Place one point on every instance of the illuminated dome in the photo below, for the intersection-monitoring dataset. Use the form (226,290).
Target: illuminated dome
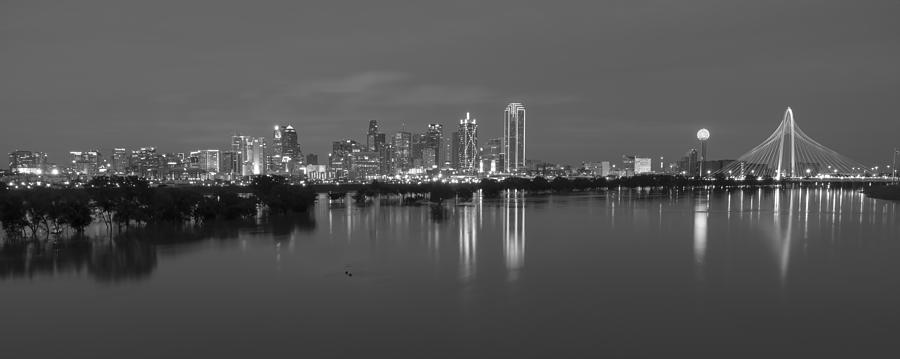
(703,134)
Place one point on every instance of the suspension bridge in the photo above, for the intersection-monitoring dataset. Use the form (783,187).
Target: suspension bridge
(789,153)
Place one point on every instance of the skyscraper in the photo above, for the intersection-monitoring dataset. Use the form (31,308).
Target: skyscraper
(371,136)
(340,157)
(290,143)
(119,161)
(468,144)
(514,137)
(491,156)
(250,153)
(433,137)
(284,149)
(403,150)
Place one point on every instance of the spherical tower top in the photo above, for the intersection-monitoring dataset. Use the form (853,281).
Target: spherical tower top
(703,134)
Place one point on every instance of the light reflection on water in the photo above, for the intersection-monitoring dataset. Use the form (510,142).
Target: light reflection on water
(621,265)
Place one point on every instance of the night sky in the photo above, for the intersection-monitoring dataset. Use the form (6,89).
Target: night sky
(599,78)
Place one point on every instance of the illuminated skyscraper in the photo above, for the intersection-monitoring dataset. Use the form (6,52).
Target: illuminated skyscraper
(120,161)
(250,153)
(371,136)
(468,144)
(433,137)
(514,138)
(403,150)
(491,156)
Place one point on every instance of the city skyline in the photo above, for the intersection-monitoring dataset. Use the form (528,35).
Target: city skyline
(730,68)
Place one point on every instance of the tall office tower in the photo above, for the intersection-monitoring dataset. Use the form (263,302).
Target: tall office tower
(491,156)
(388,159)
(468,144)
(433,137)
(418,144)
(226,163)
(239,148)
(514,138)
(371,136)
(290,143)
(250,153)
(119,161)
(689,163)
(380,141)
(208,160)
(403,150)
(277,134)
(446,152)
(454,149)
(340,158)
(428,158)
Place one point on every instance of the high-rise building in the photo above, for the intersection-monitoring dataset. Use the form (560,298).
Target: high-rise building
(689,164)
(491,156)
(227,163)
(290,144)
(340,159)
(254,156)
(428,158)
(433,138)
(455,149)
(468,145)
(28,162)
(371,136)
(403,150)
(120,161)
(86,162)
(446,152)
(642,165)
(208,161)
(418,144)
(284,149)
(388,159)
(364,165)
(250,154)
(514,137)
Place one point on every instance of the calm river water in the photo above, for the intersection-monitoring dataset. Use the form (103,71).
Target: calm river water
(730,274)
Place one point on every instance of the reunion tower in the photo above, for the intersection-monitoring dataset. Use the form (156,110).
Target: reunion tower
(702,135)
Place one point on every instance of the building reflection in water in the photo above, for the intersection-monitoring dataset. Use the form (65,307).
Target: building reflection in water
(701,220)
(468,242)
(514,233)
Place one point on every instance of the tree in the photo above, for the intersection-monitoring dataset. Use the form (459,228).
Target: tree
(12,214)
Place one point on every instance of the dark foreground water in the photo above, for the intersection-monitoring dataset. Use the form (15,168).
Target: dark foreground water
(800,273)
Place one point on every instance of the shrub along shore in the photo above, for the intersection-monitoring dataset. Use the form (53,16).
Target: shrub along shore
(122,202)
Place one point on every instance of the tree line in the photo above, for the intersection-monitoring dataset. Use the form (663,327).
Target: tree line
(122,202)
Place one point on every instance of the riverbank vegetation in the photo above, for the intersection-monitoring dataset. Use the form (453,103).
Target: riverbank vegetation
(122,202)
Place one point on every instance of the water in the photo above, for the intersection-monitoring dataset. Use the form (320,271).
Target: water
(739,274)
